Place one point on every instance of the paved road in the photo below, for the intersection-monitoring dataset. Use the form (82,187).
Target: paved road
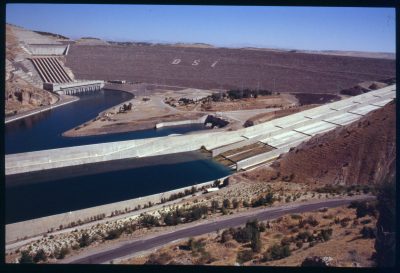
(207,227)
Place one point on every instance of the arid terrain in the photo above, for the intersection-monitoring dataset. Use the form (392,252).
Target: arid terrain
(363,152)
(345,246)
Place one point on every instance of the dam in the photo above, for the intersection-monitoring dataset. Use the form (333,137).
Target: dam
(279,135)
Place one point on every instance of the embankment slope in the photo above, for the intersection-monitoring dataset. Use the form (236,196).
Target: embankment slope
(363,152)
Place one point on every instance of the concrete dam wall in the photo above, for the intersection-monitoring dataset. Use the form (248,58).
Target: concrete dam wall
(218,68)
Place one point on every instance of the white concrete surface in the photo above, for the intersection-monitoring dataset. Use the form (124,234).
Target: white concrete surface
(343,119)
(316,128)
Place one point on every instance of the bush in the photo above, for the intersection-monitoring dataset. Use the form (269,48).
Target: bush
(148,220)
(277,252)
(299,244)
(226,236)
(60,254)
(40,256)
(242,235)
(368,233)
(264,200)
(235,203)
(296,216)
(363,208)
(304,236)
(25,258)
(195,246)
(114,234)
(345,221)
(216,96)
(256,243)
(85,240)
(214,205)
(262,227)
(326,234)
(161,259)
(171,219)
(226,203)
(244,256)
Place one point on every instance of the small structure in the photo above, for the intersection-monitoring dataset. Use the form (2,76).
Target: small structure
(211,190)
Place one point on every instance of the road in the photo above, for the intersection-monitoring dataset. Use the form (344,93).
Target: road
(148,243)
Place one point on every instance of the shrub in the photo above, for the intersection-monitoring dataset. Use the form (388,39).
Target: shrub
(363,208)
(84,240)
(304,236)
(114,234)
(62,253)
(326,234)
(171,219)
(299,244)
(244,256)
(235,203)
(277,252)
(368,232)
(226,203)
(345,221)
(242,235)
(147,220)
(40,256)
(264,200)
(195,246)
(226,236)
(25,258)
(262,227)
(256,243)
(214,205)
(161,259)
(296,216)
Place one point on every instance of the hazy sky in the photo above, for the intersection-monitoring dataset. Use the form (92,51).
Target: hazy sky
(361,29)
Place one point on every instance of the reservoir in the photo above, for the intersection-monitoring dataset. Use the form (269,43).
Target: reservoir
(45,193)
(44,130)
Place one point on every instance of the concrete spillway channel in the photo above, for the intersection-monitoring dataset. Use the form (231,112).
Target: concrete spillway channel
(245,148)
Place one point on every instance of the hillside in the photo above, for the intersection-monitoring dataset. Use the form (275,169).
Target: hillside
(363,152)
(21,95)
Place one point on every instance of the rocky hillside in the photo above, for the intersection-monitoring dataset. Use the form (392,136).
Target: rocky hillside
(363,152)
(19,94)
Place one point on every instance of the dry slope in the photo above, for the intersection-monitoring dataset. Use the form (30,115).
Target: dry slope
(363,152)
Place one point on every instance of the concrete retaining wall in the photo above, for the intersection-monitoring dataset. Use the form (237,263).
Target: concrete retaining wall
(41,225)
(42,109)
(257,159)
(181,122)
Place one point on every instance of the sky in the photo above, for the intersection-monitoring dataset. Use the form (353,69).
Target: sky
(305,28)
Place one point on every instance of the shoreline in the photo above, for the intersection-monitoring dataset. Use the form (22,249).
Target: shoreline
(64,99)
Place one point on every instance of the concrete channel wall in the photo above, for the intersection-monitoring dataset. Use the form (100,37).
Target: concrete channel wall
(41,225)
(55,158)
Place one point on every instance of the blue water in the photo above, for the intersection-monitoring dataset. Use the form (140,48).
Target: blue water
(44,131)
(44,193)
(73,193)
